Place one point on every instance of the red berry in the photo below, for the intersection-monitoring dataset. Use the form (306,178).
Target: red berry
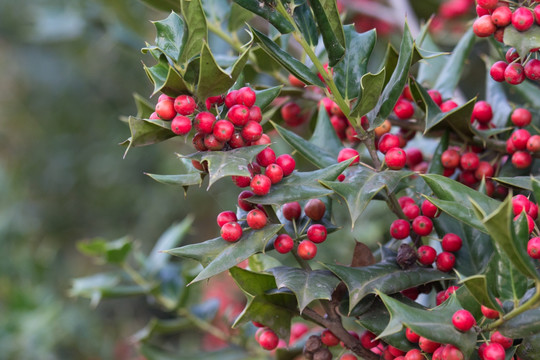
(252,131)
(164,97)
(522,19)
(181,125)
(184,105)
(348,357)
(230,99)
(497,71)
(290,112)
(414,156)
(292,211)
(412,336)
(422,225)
(511,55)
(238,115)
(165,109)
(514,74)
(482,112)
(463,320)
(426,255)
(154,116)
(411,211)
(532,67)
(469,161)
(533,212)
(297,331)
(533,248)
(395,158)
(484,26)
(307,250)
(414,354)
(204,122)
(427,345)
(484,170)
(499,338)
(246,96)
(264,140)
(225,217)
(237,141)
(405,200)
(404,109)
(445,261)
(315,209)
(407,93)
(287,163)
(502,16)
(268,340)
(214,100)
(212,143)
(489,313)
(223,130)
(256,219)
(317,233)
(348,153)
(493,351)
(520,138)
(260,184)
(328,338)
(274,172)
(521,159)
(435,96)
(450,159)
(395,351)
(367,339)
(255,114)
(241,181)
(295,81)
(520,203)
(450,352)
(487,4)
(400,229)
(448,105)
(451,242)
(429,210)
(242,203)
(387,142)
(266,157)
(231,231)
(283,243)
(521,117)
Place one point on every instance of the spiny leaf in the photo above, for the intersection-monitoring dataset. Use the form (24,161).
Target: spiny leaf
(170,35)
(269,13)
(522,41)
(166,79)
(197,31)
(147,132)
(372,86)
(331,29)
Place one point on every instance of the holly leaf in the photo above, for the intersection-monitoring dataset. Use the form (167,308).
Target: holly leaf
(146,132)
(266,96)
(372,85)
(523,325)
(294,66)
(528,92)
(301,185)
(166,79)
(360,188)
(226,163)
(478,287)
(170,35)
(434,324)
(144,107)
(329,23)
(307,286)
(505,281)
(430,69)
(217,255)
(386,277)
(529,348)
(324,136)
(114,252)
(522,41)
(509,239)
(197,31)
(268,12)
(272,310)
(349,72)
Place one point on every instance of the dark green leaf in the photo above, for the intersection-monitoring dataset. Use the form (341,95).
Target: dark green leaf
(166,79)
(478,287)
(266,96)
(511,241)
(227,163)
(213,80)
(461,212)
(349,72)
(303,17)
(523,325)
(430,69)
(194,178)
(274,311)
(392,91)
(294,66)
(536,188)
(434,324)
(225,257)
(331,29)
(529,348)
(360,188)
(109,251)
(170,35)
(372,86)
(318,156)
(451,72)
(385,277)
(302,185)
(391,58)
(262,262)
(197,32)
(306,285)
(505,280)
(268,12)
(144,107)
(522,41)
(147,132)
(522,182)
(324,136)
(238,17)
(528,92)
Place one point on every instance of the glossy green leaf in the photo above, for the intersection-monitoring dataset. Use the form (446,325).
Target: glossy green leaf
(327,16)
(536,188)
(434,324)
(458,211)
(238,17)
(430,69)
(360,187)
(217,257)
(324,136)
(305,21)
(510,240)
(262,262)
(528,92)
(307,286)
(166,79)
(144,107)
(496,97)
(227,163)
(163,5)
(109,251)
(349,72)
(522,41)
(529,348)
(390,62)
(274,311)
(316,155)
(522,182)
(394,88)
(170,35)
(375,320)
(451,72)
(302,185)
(147,132)
(506,281)
(386,277)
(266,96)
(268,12)
(372,85)
(213,80)
(478,287)
(194,178)
(294,66)
(523,325)
(197,31)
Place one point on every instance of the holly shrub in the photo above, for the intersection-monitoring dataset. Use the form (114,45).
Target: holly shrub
(315,132)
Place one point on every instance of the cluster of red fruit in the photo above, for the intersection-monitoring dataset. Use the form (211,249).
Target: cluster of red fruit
(269,340)
(315,233)
(493,17)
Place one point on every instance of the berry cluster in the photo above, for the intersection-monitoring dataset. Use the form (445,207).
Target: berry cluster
(493,18)
(269,340)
